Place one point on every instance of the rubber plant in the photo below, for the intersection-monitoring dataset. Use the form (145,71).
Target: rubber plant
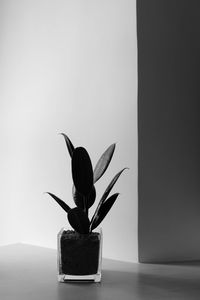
(84,191)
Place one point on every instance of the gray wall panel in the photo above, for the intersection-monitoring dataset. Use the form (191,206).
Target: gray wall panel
(169,130)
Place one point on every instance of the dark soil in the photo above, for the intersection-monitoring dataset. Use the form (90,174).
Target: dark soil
(79,253)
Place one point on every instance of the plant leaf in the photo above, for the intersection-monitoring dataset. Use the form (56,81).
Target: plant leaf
(78,220)
(103,162)
(82,171)
(106,193)
(103,210)
(79,198)
(69,144)
(60,202)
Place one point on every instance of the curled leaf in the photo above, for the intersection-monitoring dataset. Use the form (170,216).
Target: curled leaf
(78,220)
(82,171)
(60,202)
(103,162)
(103,210)
(79,198)
(69,144)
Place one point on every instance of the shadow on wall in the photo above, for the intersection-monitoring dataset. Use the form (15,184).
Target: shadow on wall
(169,143)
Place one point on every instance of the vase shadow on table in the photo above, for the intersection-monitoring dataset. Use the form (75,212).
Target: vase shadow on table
(112,283)
(144,281)
(118,277)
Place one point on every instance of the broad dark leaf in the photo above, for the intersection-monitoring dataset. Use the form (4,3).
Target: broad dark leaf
(79,198)
(106,193)
(103,210)
(103,162)
(69,144)
(82,171)
(78,220)
(60,202)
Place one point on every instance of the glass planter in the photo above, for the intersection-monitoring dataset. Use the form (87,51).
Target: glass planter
(79,256)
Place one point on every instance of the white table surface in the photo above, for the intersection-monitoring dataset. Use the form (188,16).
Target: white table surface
(29,272)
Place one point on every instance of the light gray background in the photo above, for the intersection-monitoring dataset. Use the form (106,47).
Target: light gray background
(66,66)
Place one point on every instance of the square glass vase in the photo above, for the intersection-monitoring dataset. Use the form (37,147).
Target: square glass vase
(79,256)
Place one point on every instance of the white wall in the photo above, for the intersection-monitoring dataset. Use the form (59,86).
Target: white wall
(66,66)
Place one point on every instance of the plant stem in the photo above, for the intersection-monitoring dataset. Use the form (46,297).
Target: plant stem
(85,205)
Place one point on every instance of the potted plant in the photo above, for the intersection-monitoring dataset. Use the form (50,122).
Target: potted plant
(80,248)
